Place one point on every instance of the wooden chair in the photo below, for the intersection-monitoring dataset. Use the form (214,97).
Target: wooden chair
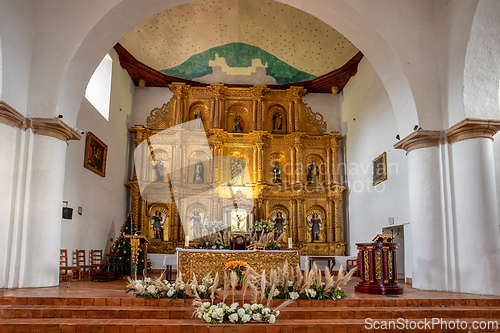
(352,263)
(80,261)
(65,271)
(95,260)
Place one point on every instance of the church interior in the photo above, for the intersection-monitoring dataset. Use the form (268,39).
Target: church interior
(326,122)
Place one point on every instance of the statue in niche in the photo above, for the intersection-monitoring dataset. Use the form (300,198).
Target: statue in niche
(237,172)
(199,124)
(277,174)
(198,175)
(196,220)
(157,222)
(315,226)
(279,223)
(277,121)
(158,167)
(238,124)
(313,173)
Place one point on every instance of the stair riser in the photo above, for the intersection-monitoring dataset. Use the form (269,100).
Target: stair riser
(332,313)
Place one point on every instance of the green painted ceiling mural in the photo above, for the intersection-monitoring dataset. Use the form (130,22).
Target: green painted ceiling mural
(238,55)
(281,43)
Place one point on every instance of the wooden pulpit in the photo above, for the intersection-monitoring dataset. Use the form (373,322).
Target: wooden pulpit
(378,267)
(137,241)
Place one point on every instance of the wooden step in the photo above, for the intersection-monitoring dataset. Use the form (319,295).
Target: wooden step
(194,325)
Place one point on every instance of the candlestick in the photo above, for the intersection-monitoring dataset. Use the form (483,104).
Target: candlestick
(186,243)
(290,246)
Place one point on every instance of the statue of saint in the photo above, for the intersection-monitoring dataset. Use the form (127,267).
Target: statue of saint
(277,174)
(237,172)
(313,173)
(158,167)
(279,223)
(196,220)
(315,226)
(238,124)
(157,221)
(198,175)
(277,121)
(197,114)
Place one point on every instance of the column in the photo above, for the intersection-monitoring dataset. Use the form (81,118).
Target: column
(475,206)
(334,148)
(328,175)
(292,165)
(12,137)
(293,222)
(291,117)
(299,169)
(34,193)
(260,155)
(329,222)
(177,89)
(255,164)
(426,210)
(300,221)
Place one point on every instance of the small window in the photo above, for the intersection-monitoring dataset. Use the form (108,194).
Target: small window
(98,91)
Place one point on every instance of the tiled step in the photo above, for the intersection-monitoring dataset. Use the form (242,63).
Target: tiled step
(194,325)
(134,301)
(114,312)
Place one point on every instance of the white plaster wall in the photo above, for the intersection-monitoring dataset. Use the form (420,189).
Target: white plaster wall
(482,63)
(496,156)
(408,26)
(370,129)
(328,106)
(16,35)
(104,200)
(476,217)
(147,99)
(453,24)
(8,144)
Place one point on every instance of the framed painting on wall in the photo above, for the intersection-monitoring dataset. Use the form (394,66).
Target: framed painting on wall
(95,155)
(380,169)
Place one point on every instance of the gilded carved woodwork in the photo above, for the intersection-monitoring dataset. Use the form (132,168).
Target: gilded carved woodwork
(203,262)
(293,142)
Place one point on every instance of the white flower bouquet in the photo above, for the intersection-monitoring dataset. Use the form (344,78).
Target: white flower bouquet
(222,313)
(159,288)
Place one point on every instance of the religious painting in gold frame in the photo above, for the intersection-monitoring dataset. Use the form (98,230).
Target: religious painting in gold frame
(380,169)
(96,153)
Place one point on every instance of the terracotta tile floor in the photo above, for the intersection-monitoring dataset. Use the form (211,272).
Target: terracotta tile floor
(116,289)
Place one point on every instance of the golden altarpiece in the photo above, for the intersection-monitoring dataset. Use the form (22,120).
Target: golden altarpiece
(291,167)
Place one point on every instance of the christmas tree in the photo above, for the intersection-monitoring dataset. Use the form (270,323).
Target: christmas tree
(122,245)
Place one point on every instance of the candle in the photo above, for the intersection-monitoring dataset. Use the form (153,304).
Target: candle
(186,244)
(290,243)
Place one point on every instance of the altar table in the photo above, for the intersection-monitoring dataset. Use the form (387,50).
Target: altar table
(202,262)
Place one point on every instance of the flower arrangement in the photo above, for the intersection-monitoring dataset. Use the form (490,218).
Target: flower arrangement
(308,285)
(217,240)
(214,226)
(222,313)
(261,226)
(204,289)
(237,266)
(159,288)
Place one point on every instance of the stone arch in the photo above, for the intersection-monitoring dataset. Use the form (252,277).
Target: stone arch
(120,19)
(482,64)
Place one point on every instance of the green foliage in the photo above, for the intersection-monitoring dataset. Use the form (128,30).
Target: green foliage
(122,245)
(238,55)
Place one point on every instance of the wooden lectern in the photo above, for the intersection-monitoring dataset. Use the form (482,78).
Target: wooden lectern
(135,243)
(378,267)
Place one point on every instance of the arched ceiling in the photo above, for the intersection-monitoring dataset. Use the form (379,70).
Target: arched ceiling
(187,40)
